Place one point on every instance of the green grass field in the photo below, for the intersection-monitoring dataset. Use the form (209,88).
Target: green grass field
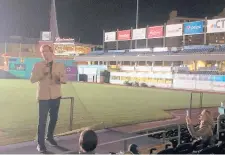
(94,103)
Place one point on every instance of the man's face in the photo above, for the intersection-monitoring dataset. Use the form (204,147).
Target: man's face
(47,54)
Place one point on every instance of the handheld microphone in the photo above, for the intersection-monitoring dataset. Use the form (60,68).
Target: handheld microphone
(49,64)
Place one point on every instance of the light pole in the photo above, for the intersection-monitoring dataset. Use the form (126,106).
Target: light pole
(137,19)
(137,14)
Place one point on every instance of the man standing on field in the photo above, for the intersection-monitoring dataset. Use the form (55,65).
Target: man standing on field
(49,75)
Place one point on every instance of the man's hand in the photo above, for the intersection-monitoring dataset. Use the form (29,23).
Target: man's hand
(56,78)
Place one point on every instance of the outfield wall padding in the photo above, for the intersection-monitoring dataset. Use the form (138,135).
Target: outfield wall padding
(22,67)
(174,81)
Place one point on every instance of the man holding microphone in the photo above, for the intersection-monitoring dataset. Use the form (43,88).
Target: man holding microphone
(49,75)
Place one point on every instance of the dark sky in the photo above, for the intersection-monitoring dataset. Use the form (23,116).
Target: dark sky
(87,18)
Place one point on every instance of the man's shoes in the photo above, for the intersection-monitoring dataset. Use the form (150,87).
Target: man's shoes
(51,142)
(41,148)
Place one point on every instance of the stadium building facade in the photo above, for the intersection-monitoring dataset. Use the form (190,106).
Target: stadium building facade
(182,41)
(151,54)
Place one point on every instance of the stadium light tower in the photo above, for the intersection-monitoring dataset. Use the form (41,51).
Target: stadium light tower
(137,14)
(53,21)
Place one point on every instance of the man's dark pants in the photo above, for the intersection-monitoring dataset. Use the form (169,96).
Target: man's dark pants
(46,107)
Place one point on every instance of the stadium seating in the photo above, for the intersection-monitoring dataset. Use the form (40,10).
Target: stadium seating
(187,145)
(134,54)
(202,49)
(220,49)
(167,151)
(94,53)
(113,53)
(197,147)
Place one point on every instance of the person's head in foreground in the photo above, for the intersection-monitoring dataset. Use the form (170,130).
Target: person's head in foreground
(206,119)
(205,131)
(47,53)
(133,148)
(88,141)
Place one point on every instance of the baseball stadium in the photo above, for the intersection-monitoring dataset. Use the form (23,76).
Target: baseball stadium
(135,88)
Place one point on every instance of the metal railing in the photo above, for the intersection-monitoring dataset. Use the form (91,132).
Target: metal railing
(149,132)
(163,131)
(125,140)
(70,127)
(163,127)
(191,101)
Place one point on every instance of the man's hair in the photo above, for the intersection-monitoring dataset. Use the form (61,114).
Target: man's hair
(48,46)
(88,140)
(133,148)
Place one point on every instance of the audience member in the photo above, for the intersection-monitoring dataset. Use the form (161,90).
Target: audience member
(88,142)
(133,148)
(205,131)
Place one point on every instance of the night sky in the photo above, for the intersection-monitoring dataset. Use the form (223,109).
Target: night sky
(85,19)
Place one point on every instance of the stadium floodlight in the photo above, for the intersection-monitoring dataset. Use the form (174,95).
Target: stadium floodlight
(137,14)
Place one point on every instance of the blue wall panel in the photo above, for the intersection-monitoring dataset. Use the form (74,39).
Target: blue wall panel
(22,68)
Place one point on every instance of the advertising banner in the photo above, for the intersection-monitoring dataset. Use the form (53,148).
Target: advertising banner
(178,81)
(155,32)
(23,68)
(64,40)
(139,34)
(158,80)
(127,68)
(64,49)
(116,51)
(46,36)
(143,68)
(161,69)
(110,36)
(193,28)
(141,50)
(160,49)
(82,49)
(124,35)
(71,69)
(216,25)
(174,30)
(71,72)
(218,86)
